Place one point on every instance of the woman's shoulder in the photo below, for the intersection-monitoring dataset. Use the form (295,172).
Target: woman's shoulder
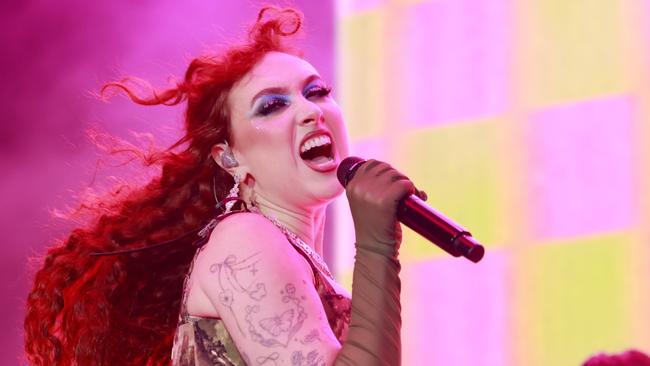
(245,221)
(244,237)
(245,231)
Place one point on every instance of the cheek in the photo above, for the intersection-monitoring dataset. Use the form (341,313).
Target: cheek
(338,128)
(345,143)
(267,146)
(270,138)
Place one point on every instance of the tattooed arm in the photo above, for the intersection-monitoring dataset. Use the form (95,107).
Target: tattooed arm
(264,292)
(260,285)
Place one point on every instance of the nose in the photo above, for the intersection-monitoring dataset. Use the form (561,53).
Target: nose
(310,112)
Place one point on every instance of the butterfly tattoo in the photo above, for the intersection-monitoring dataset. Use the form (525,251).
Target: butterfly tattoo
(278,324)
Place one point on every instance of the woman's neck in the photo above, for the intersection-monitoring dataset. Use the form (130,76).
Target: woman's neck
(308,224)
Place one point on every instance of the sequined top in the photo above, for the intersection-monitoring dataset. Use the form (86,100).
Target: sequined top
(202,341)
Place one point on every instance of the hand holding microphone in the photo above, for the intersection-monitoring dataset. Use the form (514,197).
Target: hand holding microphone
(379,198)
(374,194)
(381,195)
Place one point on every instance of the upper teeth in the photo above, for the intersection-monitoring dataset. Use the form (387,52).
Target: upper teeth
(315,141)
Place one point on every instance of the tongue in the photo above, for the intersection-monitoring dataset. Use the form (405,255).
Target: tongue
(320,159)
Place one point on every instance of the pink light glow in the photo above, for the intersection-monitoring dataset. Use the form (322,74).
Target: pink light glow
(582,180)
(455,312)
(455,60)
(54,55)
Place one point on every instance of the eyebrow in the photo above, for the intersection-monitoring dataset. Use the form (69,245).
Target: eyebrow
(281,90)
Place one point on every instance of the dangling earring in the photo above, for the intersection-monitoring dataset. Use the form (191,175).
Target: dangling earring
(228,161)
(234,193)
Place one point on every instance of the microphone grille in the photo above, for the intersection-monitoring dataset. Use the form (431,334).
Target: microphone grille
(347,168)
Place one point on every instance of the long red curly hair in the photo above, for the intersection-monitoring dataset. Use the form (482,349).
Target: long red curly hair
(123,309)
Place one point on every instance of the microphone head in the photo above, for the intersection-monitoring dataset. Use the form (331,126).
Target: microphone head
(347,168)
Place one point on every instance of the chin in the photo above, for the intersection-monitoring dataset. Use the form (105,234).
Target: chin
(328,191)
(334,191)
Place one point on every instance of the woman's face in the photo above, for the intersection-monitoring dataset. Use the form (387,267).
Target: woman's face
(288,132)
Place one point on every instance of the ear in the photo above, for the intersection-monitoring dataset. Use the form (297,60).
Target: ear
(217,152)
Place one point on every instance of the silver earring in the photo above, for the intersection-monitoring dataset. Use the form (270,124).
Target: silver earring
(234,193)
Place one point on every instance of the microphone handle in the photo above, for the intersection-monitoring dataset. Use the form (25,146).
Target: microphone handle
(433,225)
(424,220)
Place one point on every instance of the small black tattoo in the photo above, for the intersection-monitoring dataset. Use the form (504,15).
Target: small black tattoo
(259,293)
(312,359)
(283,326)
(227,274)
(312,336)
(270,359)
(278,324)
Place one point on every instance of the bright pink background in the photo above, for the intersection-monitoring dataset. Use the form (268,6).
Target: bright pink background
(540,106)
(54,53)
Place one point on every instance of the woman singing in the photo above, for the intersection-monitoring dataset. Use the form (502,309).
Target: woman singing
(161,271)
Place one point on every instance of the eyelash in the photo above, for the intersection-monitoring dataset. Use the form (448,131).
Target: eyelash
(271,106)
(319,91)
(276,103)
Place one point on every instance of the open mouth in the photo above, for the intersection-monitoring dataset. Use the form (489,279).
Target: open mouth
(317,149)
(318,153)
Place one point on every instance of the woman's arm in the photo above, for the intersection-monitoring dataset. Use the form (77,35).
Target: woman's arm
(264,292)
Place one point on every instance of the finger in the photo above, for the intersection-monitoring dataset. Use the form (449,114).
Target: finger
(397,177)
(384,170)
(421,194)
(400,188)
(370,164)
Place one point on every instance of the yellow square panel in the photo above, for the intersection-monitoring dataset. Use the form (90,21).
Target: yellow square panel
(570,50)
(457,165)
(572,300)
(361,72)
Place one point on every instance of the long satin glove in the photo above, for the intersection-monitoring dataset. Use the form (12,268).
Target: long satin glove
(375,325)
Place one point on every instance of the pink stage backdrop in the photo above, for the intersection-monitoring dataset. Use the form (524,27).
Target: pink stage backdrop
(527,122)
(54,55)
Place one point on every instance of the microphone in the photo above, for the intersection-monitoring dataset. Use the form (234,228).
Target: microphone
(424,220)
